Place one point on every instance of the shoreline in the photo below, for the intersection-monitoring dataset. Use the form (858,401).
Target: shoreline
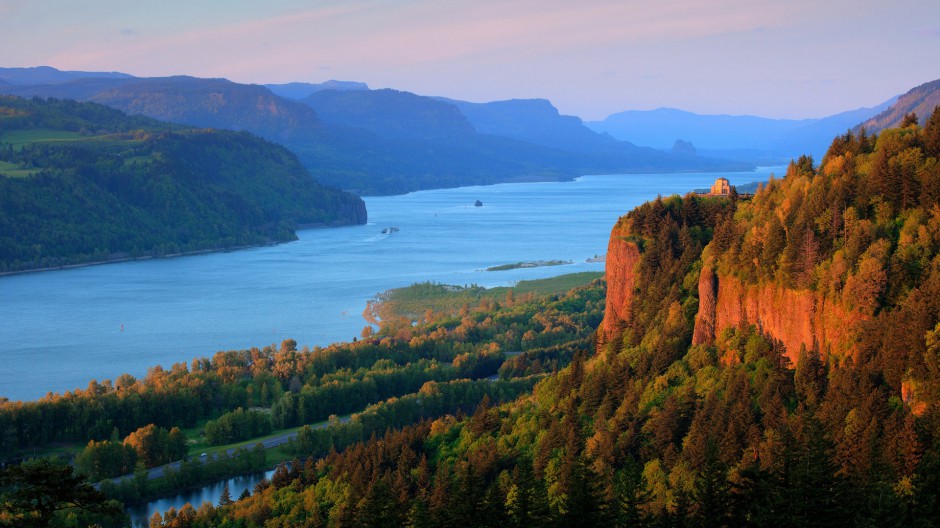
(116,260)
(134,259)
(321,225)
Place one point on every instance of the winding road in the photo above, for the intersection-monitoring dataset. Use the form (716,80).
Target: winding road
(267,443)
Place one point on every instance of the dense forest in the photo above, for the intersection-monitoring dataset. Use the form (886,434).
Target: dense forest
(80,182)
(443,362)
(653,430)
(667,416)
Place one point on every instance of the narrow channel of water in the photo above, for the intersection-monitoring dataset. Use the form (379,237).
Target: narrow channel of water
(140,514)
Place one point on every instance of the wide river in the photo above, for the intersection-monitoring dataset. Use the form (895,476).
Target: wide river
(61,329)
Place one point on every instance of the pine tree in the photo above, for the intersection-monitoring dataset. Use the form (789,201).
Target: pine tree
(526,503)
(418,516)
(809,377)
(281,476)
(225,498)
(813,494)
(932,134)
(377,507)
(633,495)
(712,492)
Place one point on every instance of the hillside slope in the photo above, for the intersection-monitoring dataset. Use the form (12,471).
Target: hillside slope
(215,103)
(300,90)
(920,101)
(536,121)
(530,131)
(686,418)
(392,114)
(80,182)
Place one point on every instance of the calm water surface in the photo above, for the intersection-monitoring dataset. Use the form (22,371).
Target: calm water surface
(60,329)
(140,514)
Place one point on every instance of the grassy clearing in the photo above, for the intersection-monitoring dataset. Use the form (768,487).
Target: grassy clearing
(412,301)
(12,170)
(553,285)
(18,138)
(142,160)
(58,450)
(199,447)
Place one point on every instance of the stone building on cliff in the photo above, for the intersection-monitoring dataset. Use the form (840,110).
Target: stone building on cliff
(721,187)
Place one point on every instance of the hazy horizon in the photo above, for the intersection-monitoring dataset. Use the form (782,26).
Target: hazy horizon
(772,58)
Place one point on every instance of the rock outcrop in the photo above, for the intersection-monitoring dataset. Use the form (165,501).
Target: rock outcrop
(622,257)
(796,318)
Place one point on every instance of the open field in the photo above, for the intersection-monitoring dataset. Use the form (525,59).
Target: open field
(18,138)
(12,170)
(412,301)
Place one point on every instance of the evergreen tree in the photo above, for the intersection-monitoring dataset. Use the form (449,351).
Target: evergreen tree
(34,493)
(633,496)
(225,498)
(712,492)
(931,140)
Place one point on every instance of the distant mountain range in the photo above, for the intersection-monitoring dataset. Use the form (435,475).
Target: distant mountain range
(393,114)
(372,141)
(299,90)
(753,138)
(50,75)
(535,121)
(389,142)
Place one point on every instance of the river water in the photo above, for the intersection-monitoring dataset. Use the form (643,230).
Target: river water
(61,329)
(140,514)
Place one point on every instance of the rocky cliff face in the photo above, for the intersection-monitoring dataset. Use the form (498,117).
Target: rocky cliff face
(796,318)
(622,257)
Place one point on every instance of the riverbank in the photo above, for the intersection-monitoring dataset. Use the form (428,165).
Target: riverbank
(117,258)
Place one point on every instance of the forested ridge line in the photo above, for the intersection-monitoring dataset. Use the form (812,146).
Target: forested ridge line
(83,183)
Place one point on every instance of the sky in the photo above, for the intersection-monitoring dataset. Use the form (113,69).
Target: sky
(591,58)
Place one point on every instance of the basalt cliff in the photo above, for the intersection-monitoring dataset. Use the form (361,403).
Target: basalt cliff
(797,318)
(838,262)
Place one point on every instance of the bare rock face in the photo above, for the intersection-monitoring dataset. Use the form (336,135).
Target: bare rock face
(796,318)
(622,257)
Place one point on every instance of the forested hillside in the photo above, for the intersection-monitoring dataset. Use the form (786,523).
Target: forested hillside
(764,361)
(478,345)
(80,182)
(670,424)
(919,101)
